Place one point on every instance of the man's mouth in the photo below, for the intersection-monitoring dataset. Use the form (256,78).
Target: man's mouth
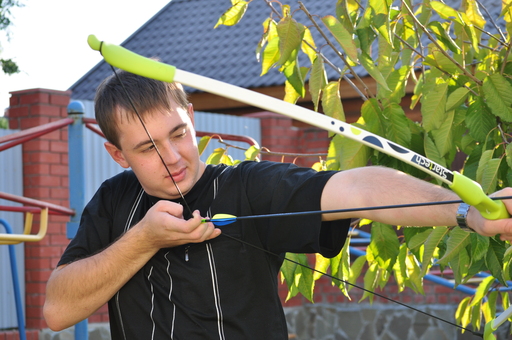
(179,175)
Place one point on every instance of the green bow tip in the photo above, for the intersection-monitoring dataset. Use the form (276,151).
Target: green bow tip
(93,42)
(488,330)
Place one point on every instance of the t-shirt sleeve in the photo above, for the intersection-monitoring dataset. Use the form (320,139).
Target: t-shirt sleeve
(287,188)
(93,234)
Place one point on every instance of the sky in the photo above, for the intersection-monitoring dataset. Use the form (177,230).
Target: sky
(48,39)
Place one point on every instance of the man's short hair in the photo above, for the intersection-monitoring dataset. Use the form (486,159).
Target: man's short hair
(112,101)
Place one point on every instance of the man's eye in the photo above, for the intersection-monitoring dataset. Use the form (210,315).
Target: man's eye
(180,134)
(149,148)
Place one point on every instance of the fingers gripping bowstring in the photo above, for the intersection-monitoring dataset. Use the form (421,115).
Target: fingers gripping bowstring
(151,139)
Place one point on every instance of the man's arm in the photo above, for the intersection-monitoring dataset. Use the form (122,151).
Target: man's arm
(76,290)
(375,186)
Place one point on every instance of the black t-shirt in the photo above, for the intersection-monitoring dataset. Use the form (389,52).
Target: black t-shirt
(222,288)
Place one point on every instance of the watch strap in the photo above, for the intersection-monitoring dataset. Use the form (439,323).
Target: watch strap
(462,214)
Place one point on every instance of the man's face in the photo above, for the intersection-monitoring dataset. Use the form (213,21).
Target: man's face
(175,137)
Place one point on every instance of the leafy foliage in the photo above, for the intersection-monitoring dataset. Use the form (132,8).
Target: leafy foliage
(4,124)
(8,65)
(460,65)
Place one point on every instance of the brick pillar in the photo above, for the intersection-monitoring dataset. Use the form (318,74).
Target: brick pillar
(45,177)
(279,134)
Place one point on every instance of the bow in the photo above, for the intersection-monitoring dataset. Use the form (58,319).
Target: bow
(468,190)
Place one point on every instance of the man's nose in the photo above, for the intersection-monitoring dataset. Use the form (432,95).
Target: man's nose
(170,153)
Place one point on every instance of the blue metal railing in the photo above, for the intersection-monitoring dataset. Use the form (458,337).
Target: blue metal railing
(15,283)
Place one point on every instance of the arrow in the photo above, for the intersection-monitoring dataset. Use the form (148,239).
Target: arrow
(465,188)
(220,220)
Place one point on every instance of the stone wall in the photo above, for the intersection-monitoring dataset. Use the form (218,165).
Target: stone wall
(347,322)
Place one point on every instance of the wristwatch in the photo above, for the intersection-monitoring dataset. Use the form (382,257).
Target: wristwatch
(462,214)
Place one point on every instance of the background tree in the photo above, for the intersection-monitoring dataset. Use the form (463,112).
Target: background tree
(459,63)
(8,65)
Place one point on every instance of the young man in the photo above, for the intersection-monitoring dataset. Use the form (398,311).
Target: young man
(164,273)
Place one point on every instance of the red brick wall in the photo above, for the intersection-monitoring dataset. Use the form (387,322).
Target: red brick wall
(45,178)
(279,134)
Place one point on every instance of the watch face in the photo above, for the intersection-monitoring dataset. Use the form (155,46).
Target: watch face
(462,213)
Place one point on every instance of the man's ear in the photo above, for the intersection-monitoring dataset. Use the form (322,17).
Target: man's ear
(191,113)
(116,154)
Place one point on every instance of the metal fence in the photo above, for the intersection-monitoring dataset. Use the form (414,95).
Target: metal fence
(11,181)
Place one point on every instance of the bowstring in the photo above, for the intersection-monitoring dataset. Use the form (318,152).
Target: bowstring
(152,141)
(265,250)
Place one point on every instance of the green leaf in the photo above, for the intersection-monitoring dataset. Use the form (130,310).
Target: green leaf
(446,12)
(355,270)
(491,301)
(432,152)
(370,281)
(380,18)
(419,238)
(373,71)
(233,15)
(397,125)
(415,281)
(482,290)
(217,156)
(396,82)
(294,85)
(203,143)
(508,153)
(460,264)
(341,268)
(342,36)
(490,175)
(479,120)
(400,269)
(331,101)
(371,112)
(308,45)
(347,11)
(476,315)
(443,137)
(482,164)
(365,33)
(303,277)
(288,272)
(434,238)
(433,107)
(322,264)
(462,315)
(479,246)
(496,90)
(270,55)
(458,239)
(384,244)
(317,80)
(252,153)
(441,61)
(353,154)
(456,98)
(444,37)
(290,34)
(493,260)
(474,15)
